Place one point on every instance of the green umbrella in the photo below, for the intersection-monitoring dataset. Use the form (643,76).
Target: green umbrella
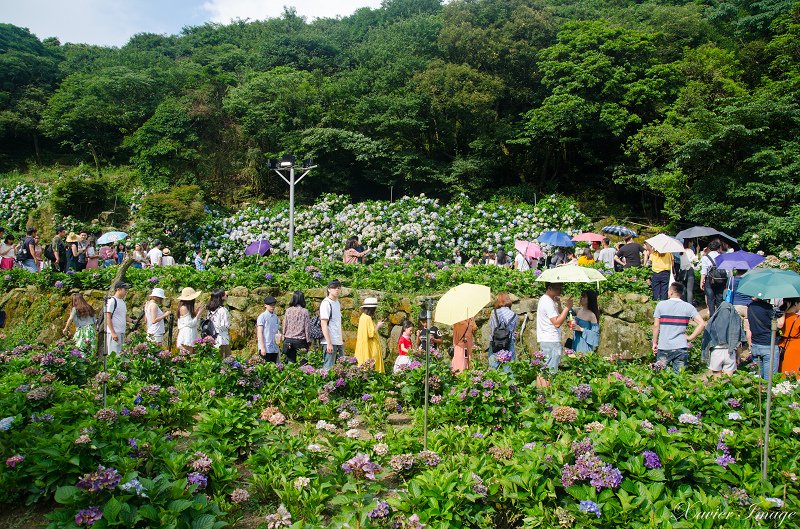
(769,283)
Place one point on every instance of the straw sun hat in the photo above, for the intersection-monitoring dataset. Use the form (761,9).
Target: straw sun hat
(189,294)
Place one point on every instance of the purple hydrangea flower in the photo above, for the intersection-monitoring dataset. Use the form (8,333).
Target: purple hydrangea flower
(651,459)
(382,510)
(102,479)
(88,516)
(581,391)
(725,459)
(197,478)
(268,276)
(589,507)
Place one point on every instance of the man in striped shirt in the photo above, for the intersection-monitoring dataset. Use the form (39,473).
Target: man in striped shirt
(670,320)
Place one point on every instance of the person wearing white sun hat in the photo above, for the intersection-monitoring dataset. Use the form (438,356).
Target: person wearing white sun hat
(188,318)
(368,343)
(155,316)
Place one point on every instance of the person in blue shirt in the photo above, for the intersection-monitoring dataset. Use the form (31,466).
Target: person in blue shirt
(586,324)
(268,331)
(199,260)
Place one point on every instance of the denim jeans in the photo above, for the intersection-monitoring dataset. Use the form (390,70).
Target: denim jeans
(330,358)
(761,356)
(677,357)
(30,265)
(687,278)
(660,284)
(552,354)
(494,364)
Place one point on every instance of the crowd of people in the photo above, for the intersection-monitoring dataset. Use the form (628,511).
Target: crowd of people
(738,325)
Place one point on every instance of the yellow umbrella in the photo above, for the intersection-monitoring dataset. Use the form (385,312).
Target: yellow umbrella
(571,274)
(461,303)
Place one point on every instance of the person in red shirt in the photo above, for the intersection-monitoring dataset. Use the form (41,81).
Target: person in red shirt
(404,346)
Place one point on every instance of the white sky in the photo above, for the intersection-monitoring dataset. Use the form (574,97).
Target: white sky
(113,22)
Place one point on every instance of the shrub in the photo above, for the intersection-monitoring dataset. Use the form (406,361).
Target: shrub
(83,197)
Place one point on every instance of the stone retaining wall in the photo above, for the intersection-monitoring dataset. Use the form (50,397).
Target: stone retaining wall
(625,320)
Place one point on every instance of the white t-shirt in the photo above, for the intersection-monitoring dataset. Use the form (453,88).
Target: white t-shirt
(521,263)
(119,314)
(606,256)
(705,262)
(331,310)
(154,256)
(545,330)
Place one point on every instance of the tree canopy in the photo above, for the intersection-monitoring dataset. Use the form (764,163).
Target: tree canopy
(674,110)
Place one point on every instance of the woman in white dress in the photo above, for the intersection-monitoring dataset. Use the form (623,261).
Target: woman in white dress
(188,319)
(221,318)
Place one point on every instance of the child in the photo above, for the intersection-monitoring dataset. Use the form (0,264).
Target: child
(268,331)
(404,346)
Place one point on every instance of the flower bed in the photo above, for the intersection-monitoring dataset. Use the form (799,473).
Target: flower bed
(194,442)
(410,227)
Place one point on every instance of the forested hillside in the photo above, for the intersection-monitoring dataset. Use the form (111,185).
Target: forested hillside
(676,110)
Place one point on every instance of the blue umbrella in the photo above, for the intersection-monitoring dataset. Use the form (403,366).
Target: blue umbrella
(556,238)
(739,260)
(261,248)
(619,231)
(112,236)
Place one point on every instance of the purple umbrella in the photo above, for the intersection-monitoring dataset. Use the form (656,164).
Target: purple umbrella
(261,248)
(739,260)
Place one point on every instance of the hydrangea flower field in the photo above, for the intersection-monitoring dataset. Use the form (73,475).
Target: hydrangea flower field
(408,227)
(201,442)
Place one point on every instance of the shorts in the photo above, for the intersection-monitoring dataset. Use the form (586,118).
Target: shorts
(722,360)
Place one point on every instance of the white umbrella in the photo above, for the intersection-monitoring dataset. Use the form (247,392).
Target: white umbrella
(665,244)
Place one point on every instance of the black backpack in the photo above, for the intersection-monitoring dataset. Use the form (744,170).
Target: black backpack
(23,254)
(207,328)
(315,328)
(717,277)
(501,337)
(49,254)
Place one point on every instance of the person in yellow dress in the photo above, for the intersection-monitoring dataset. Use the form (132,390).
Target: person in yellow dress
(368,343)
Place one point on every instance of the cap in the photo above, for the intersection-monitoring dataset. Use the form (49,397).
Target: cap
(121,284)
(270,300)
(334,283)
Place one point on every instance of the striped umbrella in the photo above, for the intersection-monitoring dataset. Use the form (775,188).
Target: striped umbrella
(619,231)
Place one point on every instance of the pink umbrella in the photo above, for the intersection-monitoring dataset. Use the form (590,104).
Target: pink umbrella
(589,237)
(528,249)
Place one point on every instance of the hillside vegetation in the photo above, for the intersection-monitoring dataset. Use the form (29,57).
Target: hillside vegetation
(677,111)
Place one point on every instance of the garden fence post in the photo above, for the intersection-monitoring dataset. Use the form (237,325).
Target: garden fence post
(765,457)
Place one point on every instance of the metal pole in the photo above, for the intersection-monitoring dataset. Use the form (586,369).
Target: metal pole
(291,212)
(427,373)
(765,459)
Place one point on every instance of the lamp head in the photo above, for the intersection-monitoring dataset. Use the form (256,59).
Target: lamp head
(287,160)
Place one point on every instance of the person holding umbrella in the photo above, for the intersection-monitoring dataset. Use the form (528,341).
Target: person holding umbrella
(463,342)
(759,336)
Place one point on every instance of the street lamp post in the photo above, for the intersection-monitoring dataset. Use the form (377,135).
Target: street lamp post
(287,163)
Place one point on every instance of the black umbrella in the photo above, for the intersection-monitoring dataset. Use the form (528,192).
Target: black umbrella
(696,232)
